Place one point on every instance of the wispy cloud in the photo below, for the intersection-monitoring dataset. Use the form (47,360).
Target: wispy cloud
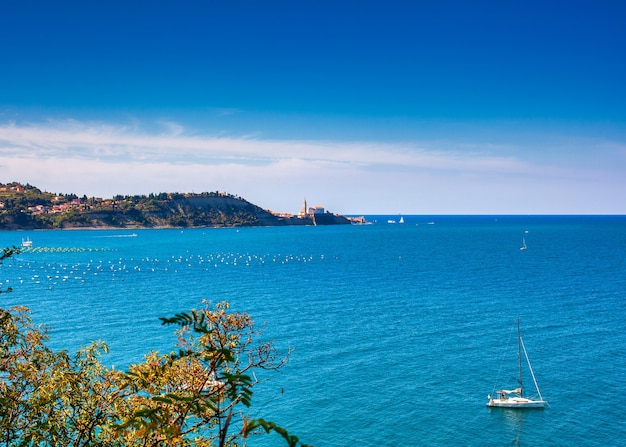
(105,142)
(103,159)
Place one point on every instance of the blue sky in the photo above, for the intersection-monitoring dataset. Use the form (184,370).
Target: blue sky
(446,107)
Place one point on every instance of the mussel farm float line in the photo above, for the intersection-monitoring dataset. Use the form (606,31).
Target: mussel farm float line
(63,249)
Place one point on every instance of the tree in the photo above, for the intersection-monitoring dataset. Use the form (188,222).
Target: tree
(197,396)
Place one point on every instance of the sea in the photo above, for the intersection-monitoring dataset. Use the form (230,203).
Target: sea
(397,332)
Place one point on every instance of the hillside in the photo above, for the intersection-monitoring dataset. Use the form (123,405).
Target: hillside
(27,207)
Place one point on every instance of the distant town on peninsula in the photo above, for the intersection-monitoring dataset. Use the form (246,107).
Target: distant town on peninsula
(27,207)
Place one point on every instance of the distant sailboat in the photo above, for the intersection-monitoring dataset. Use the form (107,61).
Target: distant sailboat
(401,219)
(515,398)
(523,247)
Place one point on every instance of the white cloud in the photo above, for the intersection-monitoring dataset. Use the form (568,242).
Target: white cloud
(104,159)
(71,139)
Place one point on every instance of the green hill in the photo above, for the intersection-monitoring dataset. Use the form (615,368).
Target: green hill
(27,207)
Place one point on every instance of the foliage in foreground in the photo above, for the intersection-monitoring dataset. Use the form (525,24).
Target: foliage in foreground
(198,396)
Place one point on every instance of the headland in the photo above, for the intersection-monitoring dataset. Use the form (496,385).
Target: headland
(26,207)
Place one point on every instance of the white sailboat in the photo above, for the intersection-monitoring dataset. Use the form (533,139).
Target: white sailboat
(523,247)
(515,398)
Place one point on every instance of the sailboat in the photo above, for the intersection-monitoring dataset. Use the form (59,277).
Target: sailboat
(515,398)
(523,247)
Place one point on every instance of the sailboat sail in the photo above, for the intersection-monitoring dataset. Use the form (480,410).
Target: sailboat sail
(530,368)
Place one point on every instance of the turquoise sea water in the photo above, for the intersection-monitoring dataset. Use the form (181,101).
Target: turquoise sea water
(398,332)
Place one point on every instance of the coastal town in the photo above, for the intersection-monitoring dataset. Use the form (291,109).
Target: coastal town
(48,203)
(57,203)
(23,206)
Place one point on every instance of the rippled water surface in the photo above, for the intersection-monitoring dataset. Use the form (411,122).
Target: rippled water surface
(398,331)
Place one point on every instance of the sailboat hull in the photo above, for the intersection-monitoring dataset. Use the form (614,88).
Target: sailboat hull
(516,402)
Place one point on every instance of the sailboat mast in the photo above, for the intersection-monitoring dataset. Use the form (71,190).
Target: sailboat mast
(519,357)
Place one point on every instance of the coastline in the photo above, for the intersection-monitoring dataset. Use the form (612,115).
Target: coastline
(25,207)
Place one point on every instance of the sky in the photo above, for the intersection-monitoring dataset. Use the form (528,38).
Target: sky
(363,107)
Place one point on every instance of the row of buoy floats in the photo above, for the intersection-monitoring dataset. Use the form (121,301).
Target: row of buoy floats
(63,249)
(30,269)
